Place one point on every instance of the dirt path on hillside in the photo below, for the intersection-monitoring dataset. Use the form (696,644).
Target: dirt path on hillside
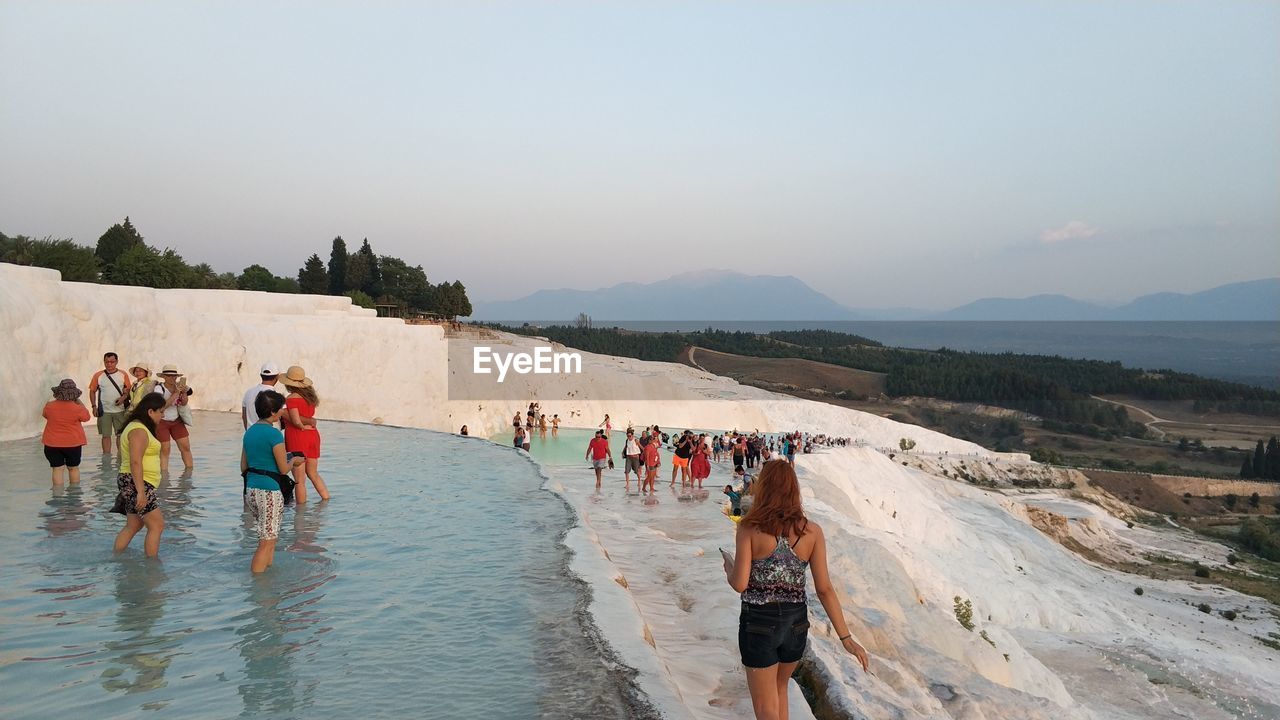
(1150,420)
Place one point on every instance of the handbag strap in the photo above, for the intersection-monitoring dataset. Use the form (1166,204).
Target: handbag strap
(114,384)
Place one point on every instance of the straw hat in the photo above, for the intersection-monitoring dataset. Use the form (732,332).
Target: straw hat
(144,366)
(66,390)
(295,376)
(170,369)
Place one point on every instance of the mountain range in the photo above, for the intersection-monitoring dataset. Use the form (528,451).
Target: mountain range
(730,296)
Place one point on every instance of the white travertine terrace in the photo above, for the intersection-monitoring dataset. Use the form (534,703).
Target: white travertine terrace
(904,542)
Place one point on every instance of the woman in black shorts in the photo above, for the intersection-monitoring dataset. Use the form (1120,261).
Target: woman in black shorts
(776,543)
(63,435)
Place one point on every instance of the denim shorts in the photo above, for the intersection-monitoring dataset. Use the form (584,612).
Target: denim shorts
(772,633)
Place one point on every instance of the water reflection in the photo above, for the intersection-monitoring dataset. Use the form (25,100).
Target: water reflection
(286,599)
(66,511)
(270,685)
(307,519)
(140,602)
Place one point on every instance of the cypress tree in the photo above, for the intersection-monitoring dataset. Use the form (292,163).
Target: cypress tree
(312,278)
(1246,470)
(373,282)
(1259,461)
(1272,461)
(338,267)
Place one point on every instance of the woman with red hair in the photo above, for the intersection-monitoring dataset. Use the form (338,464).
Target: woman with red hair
(776,543)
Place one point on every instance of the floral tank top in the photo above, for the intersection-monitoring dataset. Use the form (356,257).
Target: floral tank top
(777,578)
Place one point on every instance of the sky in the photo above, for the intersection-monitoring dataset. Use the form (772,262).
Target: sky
(918,154)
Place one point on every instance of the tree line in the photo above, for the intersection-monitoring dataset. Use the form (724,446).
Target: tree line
(123,257)
(1052,387)
(1264,463)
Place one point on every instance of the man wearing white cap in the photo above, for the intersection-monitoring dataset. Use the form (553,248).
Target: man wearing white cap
(270,373)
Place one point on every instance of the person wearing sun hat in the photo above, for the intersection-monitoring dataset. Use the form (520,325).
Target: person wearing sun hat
(171,428)
(143,382)
(300,433)
(63,436)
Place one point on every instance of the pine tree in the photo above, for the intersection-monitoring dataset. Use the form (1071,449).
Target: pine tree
(1260,461)
(338,267)
(312,278)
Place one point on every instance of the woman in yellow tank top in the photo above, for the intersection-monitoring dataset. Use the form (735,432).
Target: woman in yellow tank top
(139,476)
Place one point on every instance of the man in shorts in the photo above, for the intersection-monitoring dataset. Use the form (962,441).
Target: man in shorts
(599,454)
(631,455)
(109,398)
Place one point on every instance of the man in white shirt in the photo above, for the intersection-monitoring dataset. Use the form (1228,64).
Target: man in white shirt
(269,374)
(108,397)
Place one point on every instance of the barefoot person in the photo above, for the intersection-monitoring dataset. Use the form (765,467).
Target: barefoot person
(63,435)
(599,454)
(776,543)
(652,461)
(631,460)
(139,476)
(300,433)
(262,452)
(171,428)
(267,378)
(109,396)
(700,464)
(680,458)
(143,383)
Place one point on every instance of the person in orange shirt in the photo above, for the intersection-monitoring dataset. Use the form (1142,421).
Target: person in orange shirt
(108,396)
(63,436)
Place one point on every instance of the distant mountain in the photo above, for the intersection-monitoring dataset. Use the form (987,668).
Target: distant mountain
(1036,307)
(701,295)
(1253,300)
(730,296)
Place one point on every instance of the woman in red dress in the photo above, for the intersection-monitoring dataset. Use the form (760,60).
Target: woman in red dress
(300,433)
(701,463)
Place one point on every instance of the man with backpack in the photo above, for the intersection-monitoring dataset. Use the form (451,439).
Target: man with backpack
(109,398)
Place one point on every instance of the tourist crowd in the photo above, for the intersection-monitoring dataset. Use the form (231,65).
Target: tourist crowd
(142,416)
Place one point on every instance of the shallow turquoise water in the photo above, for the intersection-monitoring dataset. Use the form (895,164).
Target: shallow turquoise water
(433,585)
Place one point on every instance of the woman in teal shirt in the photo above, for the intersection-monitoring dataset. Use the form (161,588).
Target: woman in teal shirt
(263,452)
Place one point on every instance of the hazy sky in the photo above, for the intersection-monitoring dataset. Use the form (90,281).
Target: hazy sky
(887,153)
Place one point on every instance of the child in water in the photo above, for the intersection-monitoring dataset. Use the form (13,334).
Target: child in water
(735,501)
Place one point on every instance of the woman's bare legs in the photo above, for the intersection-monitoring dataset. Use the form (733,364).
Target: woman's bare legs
(57,474)
(313,472)
(166,447)
(154,522)
(263,556)
(184,447)
(132,524)
(768,687)
(299,484)
(73,474)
